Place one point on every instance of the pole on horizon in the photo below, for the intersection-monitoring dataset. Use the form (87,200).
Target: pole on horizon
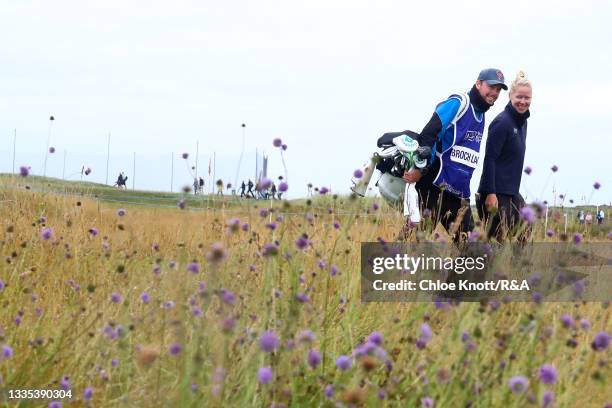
(171,170)
(241,154)
(14,149)
(64,167)
(107,156)
(196,161)
(51,119)
(214,182)
(134,173)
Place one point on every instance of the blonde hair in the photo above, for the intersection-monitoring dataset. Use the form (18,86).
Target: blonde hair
(520,80)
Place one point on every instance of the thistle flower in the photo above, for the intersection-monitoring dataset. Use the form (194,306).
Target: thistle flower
(528,215)
(566,320)
(265,375)
(185,156)
(7,352)
(548,374)
(527,170)
(216,253)
(313,358)
(270,249)
(87,171)
(46,233)
(24,171)
(120,212)
(277,142)
(264,184)
(175,349)
(601,341)
(228,297)
(597,185)
(306,336)
(375,207)
(376,338)
(116,297)
(323,190)
(550,233)
(425,337)
(333,270)
(193,267)
(93,231)
(577,238)
(344,363)
(87,394)
(329,391)
(427,402)
(145,298)
(548,399)
(55,404)
(283,186)
(284,146)
(554,168)
(358,174)
(269,342)
(181,204)
(518,384)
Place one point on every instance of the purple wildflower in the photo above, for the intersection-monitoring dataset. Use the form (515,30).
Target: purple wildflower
(284,146)
(601,341)
(7,352)
(46,233)
(265,375)
(87,171)
(87,394)
(518,384)
(121,212)
(344,363)
(51,149)
(548,399)
(306,336)
(145,298)
(93,231)
(376,338)
(329,391)
(193,267)
(528,215)
(302,298)
(358,174)
(550,233)
(425,337)
(314,358)
(585,324)
(55,404)
(527,170)
(264,184)
(268,342)
(228,297)
(277,142)
(375,206)
(302,242)
(270,249)
(196,311)
(185,156)
(323,190)
(334,270)
(427,402)
(283,186)
(596,185)
(24,171)
(577,238)
(175,349)
(181,204)
(554,168)
(548,374)
(566,320)
(115,297)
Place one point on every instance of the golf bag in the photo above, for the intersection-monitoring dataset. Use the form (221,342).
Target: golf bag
(399,151)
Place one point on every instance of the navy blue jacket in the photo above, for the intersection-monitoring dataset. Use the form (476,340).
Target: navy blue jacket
(505,153)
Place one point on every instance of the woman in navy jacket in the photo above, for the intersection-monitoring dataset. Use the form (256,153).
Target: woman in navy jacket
(498,193)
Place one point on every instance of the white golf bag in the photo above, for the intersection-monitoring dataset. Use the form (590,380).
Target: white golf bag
(397,154)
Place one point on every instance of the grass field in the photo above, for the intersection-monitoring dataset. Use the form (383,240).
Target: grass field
(134,302)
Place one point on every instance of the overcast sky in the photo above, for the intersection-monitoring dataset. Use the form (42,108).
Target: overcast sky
(328,77)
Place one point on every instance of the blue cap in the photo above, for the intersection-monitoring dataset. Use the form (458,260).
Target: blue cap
(492,76)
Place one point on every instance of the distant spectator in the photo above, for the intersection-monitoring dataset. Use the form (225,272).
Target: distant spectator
(220,187)
(250,189)
(242,189)
(589,218)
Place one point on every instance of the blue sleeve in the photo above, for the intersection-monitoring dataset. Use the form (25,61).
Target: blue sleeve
(447,111)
